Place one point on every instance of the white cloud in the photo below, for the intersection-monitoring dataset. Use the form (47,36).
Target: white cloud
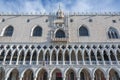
(66,5)
(34,6)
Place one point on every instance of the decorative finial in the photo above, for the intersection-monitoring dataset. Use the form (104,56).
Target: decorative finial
(60,13)
(59,6)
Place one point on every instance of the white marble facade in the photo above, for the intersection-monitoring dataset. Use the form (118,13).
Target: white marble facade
(60,47)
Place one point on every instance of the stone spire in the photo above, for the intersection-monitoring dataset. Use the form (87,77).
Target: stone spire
(60,13)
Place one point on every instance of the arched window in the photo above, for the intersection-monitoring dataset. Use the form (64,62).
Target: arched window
(60,34)
(113,33)
(83,31)
(8,31)
(37,31)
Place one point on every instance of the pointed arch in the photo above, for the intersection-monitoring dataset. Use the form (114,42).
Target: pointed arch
(28,75)
(21,56)
(99,57)
(118,55)
(66,57)
(8,56)
(56,74)
(14,75)
(113,33)
(34,57)
(2,55)
(14,58)
(92,55)
(114,74)
(60,55)
(47,57)
(37,31)
(86,56)
(41,55)
(54,55)
(105,56)
(85,74)
(99,74)
(2,73)
(112,56)
(8,31)
(79,55)
(70,74)
(42,74)
(73,55)
(60,34)
(27,57)
(83,31)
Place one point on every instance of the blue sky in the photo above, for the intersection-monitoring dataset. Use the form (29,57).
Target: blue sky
(18,6)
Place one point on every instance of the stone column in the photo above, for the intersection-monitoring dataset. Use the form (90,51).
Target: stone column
(69,57)
(64,78)
(63,58)
(78,78)
(116,57)
(107,78)
(89,55)
(49,78)
(20,78)
(37,58)
(76,58)
(83,57)
(5,78)
(24,59)
(35,78)
(92,79)
(11,58)
(96,58)
(31,58)
(50,62)
(5,57)
(109,58)
(57,58)
(18,58)
(103,58)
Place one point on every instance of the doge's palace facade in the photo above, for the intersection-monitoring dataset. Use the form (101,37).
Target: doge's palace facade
(60,46)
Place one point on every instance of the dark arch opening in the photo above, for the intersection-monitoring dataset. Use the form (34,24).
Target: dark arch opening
(105,56)
(28,75)
(66,56)
(99,57)
(28,57)
(54,56)
(83,31)
(9,31)
(14,75)
(60,34)
(21,57)
(60,57)
(37,31)
(93,56)
(113,33)
(42,75)
(112,56)
(2,54)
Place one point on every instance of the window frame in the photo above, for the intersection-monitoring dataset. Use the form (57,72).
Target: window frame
(84,26)
(4,30)
(32,32)
(112,33)
(57,31)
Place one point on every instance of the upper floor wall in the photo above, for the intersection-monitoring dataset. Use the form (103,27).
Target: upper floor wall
(72,28)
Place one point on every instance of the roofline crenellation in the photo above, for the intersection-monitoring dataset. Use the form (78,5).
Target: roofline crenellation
(66,13)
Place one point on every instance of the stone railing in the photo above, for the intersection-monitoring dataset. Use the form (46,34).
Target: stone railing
(60,63)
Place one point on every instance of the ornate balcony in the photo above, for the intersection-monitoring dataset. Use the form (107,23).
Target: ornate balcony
(59,36)
(60,39)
